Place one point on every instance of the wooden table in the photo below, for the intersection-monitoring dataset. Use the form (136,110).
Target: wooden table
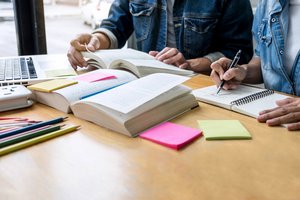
(95,163)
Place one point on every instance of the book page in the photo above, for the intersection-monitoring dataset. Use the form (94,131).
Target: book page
(106,56)
(84,89)
(225,97)
(142,67)
(129,96)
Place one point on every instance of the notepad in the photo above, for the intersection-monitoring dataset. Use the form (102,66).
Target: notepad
(93,77)
(171,135)
(245,99)
(49,86)
(223,129)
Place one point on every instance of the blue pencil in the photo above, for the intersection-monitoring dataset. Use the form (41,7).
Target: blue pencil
(34,126)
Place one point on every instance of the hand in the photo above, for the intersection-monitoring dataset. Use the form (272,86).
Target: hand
(287,112)
(171,56)
(78,45)
(233,76)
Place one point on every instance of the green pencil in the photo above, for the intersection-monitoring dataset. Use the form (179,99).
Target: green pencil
(36,140)
(27,136)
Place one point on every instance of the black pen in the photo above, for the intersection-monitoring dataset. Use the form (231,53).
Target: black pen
(31,127)
(232,65)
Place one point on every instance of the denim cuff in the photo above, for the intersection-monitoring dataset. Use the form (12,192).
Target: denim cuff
(214,56)
(110,35)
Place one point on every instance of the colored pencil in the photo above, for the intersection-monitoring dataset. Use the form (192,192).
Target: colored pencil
(36,140)
(30,127)
(22,137)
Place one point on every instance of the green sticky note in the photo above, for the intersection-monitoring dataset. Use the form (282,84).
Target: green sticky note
(223,129)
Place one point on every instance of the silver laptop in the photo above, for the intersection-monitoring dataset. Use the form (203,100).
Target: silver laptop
(27,70)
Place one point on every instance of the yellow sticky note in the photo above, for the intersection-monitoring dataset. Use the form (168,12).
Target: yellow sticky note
(49,86)
(223,129)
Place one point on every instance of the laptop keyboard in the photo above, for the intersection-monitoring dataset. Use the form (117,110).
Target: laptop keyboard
(17,69)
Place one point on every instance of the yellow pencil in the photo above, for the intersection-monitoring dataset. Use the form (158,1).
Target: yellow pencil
(36,140)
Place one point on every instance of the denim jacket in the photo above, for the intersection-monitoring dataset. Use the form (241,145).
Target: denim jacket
(201,27)
(270,29)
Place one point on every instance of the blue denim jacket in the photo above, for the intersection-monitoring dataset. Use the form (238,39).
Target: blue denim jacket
(270,29)
(201,27)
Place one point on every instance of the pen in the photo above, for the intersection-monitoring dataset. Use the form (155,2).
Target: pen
(36,140)
(30,127)
(232,65)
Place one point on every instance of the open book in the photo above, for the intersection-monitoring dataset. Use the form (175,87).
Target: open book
(139,63)
(61,99)
(245,99)
(138,105)
(124,103)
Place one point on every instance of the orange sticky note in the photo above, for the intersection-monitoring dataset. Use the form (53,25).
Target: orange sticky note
(95,76)
(171,135)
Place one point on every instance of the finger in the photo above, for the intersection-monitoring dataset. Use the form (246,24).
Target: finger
(185,65)
(162,52)
(293,126)
(220,66)
(77,45)
(288,101)
(71,59)
(282,115)
(176,59)
(94,44)
(215,77)
(288,118)
(277,108)
(234,73)
(272,113)
(72,64)
(167,55)
(231,85)
(153,53)
(76,58)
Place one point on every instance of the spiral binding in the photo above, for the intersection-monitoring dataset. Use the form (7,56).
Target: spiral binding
(252,97)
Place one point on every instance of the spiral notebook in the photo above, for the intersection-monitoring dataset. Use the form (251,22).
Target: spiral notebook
(245,99)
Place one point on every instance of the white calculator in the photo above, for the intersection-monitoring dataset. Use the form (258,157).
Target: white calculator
(14,97)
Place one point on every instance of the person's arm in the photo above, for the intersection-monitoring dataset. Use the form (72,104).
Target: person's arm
(119,22)
(253,71)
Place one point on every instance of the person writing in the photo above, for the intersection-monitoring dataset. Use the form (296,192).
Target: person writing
(276,62)
(187,34)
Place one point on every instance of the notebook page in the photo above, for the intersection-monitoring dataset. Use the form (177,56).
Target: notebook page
(253,108)
(225,97)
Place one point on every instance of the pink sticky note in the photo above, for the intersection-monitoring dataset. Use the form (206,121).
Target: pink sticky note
(93,77)
(171,135)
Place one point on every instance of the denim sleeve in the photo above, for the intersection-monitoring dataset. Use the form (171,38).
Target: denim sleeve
(255,27)
(234,30)
(119,21)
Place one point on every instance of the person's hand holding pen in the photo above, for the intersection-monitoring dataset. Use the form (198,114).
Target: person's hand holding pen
(227,74)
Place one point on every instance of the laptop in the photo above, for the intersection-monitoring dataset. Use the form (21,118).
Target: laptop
(28,70)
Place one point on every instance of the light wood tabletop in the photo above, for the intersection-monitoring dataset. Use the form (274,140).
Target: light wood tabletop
(95,163)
